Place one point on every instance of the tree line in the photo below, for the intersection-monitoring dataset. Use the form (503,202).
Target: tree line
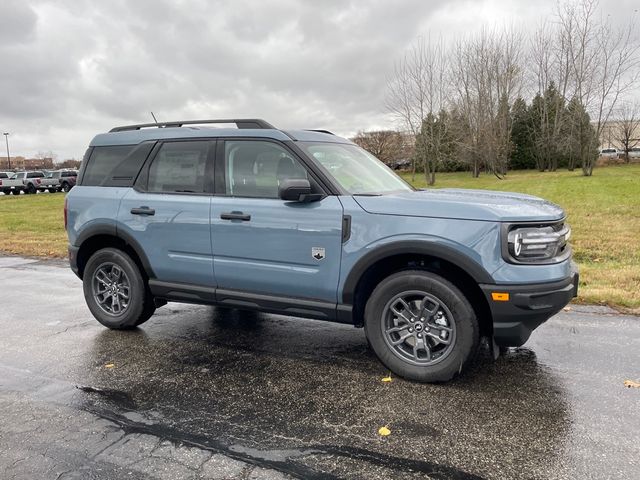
(501,99)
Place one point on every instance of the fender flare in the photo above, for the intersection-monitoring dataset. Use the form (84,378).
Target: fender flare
(111,231)
(415,247)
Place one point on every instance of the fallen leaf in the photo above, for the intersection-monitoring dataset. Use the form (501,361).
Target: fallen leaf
(631,383)
(384,431)
(109,365)
(386,379)
(567,308)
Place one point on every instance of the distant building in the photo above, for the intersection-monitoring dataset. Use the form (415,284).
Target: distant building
(610,134)
(21,163)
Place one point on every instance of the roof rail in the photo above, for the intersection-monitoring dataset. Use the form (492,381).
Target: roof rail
(320,131)
(241,123)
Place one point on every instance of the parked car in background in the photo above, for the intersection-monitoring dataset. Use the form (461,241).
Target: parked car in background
(60,180)
(66,179)
(609,153)
(49,182)
(28,182)
(5,174)
(402,164)
(634,152)
(13,184)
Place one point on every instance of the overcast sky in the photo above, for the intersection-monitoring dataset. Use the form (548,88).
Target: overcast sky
(71,69)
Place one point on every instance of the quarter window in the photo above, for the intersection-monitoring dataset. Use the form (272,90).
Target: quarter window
(102,162)
(256,168)
(179,167)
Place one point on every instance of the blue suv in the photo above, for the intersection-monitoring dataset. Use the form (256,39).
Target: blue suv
(308,224)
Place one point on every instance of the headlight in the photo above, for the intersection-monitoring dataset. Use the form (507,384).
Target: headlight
(538,244)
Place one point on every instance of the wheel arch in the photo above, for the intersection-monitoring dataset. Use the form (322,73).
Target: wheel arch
(442,260)
(105,236)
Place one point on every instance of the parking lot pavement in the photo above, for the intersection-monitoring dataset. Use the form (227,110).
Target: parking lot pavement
(200,392)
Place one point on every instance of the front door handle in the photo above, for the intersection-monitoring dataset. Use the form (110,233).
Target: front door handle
(235,216)
(143,211)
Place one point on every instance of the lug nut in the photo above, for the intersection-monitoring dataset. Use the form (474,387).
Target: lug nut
(419,335)
(411,330)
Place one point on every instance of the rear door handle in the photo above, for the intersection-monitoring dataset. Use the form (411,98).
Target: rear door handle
(143,211)
(235,216)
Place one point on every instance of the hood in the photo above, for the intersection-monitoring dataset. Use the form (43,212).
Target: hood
(465,204)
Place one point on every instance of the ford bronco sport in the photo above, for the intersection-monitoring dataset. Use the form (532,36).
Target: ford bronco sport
(308,224)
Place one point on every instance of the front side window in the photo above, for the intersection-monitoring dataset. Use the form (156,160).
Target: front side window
(179,167)
(355,169)
(256,168)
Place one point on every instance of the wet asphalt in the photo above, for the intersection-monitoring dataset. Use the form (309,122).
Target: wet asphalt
(200,392)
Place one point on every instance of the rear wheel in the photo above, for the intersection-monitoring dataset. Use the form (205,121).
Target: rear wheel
(115,290)
(65,187)
(421,326)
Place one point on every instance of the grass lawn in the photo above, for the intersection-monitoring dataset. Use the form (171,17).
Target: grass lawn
(33,224)
(603,210)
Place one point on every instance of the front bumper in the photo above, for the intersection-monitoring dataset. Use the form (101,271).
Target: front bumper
(527,308)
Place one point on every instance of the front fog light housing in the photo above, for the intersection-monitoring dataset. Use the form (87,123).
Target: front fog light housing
(538,244)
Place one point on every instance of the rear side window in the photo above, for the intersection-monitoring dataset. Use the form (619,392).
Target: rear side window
(179,167)
(102,163)
(3,175)
(35,175)
(69,174)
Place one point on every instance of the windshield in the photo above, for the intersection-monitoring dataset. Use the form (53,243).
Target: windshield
(355,169)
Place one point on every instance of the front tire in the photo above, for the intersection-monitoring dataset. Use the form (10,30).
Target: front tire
(65,187)
(421,326)
(115,290)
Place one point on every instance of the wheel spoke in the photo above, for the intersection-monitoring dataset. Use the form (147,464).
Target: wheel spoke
(398,328)
(116,273)
(430,312)
(401,313)
(422,344)
(401,339)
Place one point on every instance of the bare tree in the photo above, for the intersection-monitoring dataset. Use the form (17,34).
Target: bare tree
(384,144)
(487,74)
(603,63)
(417,89)
(626,130)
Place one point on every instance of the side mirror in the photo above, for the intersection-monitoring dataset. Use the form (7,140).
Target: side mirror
(296,190)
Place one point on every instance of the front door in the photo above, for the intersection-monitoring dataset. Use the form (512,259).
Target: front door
(168,214)
(265,245)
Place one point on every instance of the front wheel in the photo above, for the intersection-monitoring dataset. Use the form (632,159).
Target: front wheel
(65,187)
(31,188)
(115,291)
(421,326)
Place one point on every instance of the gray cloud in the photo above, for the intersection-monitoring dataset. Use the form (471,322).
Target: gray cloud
(71,69)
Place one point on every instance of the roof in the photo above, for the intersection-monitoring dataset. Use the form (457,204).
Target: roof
(134,134)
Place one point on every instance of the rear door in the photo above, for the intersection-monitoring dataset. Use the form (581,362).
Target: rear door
(167,213)
(265,245)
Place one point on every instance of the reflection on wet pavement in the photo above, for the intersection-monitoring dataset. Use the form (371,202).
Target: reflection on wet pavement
(305,397)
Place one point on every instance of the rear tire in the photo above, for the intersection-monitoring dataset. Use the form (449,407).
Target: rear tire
(115,290)
(65,187)
(421,326)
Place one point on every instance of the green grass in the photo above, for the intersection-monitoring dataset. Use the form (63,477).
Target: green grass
(33,225)
(604,214)
(603,210)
